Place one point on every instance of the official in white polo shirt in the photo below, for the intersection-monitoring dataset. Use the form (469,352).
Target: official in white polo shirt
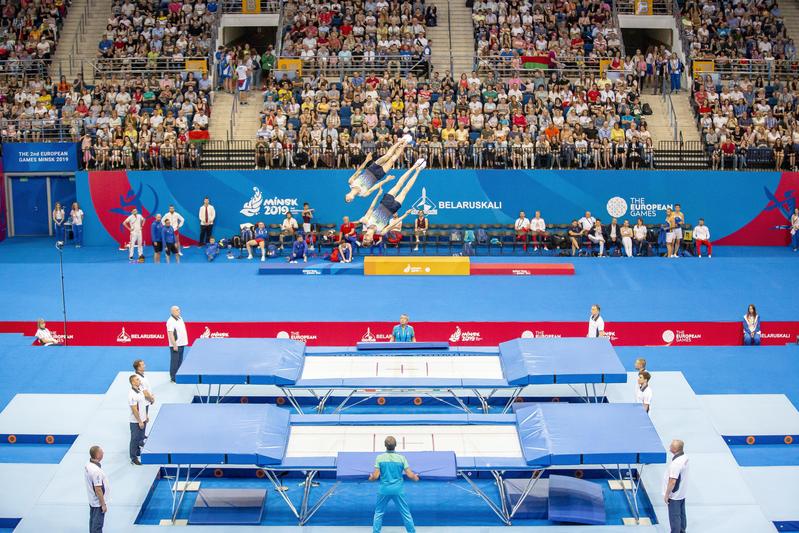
(643,393)
(139,367)
(97,488)
(675,485)
(137,403)
(134,224)
(178,340)
(596,326)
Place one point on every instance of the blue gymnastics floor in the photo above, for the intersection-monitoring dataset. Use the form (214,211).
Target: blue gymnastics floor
(102,285)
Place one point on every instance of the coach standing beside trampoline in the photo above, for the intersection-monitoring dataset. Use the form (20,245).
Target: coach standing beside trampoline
(178,340)
(389,469)
(675,486)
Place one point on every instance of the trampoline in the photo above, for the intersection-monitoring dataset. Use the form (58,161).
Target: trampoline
(439,447)
(437,370)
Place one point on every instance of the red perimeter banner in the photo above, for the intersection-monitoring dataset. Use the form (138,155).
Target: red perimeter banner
(457,333)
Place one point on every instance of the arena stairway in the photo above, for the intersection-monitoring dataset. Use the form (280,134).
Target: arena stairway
(83,37)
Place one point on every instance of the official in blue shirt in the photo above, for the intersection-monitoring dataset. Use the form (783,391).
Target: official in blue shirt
(156,235)
(403,332)
(168,238)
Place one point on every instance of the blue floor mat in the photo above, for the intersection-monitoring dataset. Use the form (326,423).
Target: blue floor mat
(33,453)
(766,454)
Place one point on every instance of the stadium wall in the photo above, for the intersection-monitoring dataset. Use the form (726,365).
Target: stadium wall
(741,208)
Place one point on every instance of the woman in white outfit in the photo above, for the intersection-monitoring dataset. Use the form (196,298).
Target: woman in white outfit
(627,238)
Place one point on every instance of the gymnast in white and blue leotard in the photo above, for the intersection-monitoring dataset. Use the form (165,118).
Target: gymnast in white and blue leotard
(369,177)
(379,218)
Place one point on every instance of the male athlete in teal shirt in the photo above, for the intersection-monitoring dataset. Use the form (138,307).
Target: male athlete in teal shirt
(389,468)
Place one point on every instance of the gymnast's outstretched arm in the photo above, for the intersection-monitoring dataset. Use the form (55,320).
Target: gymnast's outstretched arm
(360,168)
(368,213)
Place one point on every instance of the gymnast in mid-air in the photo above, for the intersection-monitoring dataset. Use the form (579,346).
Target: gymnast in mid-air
(369,177)
(378,220)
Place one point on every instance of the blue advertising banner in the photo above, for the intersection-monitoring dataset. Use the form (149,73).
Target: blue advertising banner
(728,201)
(40,157)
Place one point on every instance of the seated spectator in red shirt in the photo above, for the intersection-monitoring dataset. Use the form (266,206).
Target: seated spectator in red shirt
(347,232)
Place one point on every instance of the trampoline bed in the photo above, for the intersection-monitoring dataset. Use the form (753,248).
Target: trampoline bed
(437,370)
(439,447)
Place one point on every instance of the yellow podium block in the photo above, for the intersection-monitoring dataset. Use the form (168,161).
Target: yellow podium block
(416,266)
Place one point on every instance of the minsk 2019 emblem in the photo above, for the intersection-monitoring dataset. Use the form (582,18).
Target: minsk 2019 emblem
(253,206)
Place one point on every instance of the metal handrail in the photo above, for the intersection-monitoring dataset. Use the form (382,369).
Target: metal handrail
(672,115)
(267,7)
(659,7)
(143,64)
(233,111)
(449,33)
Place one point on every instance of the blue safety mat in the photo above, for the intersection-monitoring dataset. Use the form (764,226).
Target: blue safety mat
(573,434)
(561,360)
(429,465)
(576,501)
(217,434)
(238,507)
(535,505)
(243,361)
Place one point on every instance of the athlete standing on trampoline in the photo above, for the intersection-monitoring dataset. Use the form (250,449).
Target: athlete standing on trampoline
(369,177)
(378,219)
(389,469)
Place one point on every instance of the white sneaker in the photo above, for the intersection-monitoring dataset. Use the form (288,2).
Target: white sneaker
(263,258)
(415,248)
(180,254)
(700,256)
(293,262)
(709,256)
(304,259)
(249,256)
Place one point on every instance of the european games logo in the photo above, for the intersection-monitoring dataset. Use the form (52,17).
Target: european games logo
(424,204)
(617,207)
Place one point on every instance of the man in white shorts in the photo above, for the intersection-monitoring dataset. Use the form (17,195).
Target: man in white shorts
(134,224)
(243,80)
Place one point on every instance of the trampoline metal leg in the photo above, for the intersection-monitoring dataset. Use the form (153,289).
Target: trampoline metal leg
(312,511)
(306,494)
(462,405)
(483,400)
(530,485)
(292,400)
(280,490)
(483,496)
(516,393)
(343,403)
(501,489)
(321,407)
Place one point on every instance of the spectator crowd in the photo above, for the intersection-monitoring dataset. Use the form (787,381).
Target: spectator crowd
(369,34)
(540,121)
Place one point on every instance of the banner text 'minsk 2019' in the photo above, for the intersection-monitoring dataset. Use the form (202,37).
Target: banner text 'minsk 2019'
(747,210)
